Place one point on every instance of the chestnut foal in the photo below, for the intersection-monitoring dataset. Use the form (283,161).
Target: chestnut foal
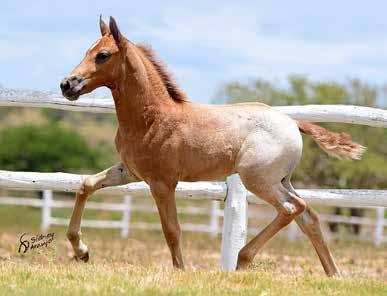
(162,139)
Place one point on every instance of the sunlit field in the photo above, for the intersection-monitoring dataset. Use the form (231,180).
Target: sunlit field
(141,265)
(289,94)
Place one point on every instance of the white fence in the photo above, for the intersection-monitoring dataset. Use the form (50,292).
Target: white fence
(235,211)
(126,207)
(214,213)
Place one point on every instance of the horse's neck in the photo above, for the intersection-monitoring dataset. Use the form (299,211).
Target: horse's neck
(140,101)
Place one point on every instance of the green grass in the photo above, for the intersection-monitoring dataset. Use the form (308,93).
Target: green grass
(141,265)
(122,278)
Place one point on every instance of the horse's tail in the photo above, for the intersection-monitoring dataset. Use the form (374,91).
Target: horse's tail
(338,145)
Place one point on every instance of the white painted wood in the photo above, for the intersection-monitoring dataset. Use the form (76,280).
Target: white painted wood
(313,113)
(39,99)
(186,210)
(337,113)
(292,231)
(89,223)
(266,214)
(234,222)
(187,190)
(121,207)
(71,183)
(91,205)
(214,218)
(118,207)
(338,197)
(126,216)
(348,220)
(379,229)
(137,225)
(185,227)
(21,201)
(46,210)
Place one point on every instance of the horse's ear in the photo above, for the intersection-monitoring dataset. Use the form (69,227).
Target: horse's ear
(103,26)
(115,31)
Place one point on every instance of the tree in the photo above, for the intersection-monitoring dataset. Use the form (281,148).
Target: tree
(46,148)
(316,168)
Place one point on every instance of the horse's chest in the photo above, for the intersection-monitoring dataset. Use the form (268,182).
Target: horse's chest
(148,154)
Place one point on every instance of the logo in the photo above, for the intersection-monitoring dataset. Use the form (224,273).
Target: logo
(30,242)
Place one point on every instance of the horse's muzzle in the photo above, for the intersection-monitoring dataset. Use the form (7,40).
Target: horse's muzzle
(72,86)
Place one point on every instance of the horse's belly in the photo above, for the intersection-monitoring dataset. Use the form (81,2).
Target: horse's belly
(208,164)
(208,172)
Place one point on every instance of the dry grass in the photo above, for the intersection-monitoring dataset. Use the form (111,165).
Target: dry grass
(141,265)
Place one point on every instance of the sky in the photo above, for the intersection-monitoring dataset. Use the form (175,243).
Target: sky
(204,43)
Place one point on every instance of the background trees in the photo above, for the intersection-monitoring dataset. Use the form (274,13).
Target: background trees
(46,148)
(317,169)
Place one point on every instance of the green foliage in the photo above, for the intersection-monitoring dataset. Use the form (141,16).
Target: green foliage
(317,169)
(53,115)
(46,148)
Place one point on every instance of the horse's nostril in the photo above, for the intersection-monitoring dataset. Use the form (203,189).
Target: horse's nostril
(65,85)
(78,78)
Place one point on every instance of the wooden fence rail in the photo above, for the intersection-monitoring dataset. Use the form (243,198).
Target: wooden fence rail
(195,190)
(235,212)
(313,113)
(47,203)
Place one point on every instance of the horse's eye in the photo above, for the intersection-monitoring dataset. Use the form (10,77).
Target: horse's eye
(102,57)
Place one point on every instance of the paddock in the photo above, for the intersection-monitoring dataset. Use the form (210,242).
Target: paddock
(234,230)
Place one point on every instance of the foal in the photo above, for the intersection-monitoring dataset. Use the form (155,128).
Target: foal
(162,139)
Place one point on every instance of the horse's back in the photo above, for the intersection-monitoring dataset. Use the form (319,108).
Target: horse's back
(230,138)
(243,119)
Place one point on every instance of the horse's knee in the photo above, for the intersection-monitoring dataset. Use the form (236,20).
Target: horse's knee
(87,187)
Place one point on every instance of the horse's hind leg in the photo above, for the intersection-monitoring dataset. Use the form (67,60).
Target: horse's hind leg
(116,175)
(288,207)
(310,225)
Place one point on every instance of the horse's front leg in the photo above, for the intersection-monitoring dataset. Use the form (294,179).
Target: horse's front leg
(115,175)
(165,200)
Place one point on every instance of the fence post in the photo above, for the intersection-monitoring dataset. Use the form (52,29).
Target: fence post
(46,210)
(292,231)
(214,219)
(126,216)
(234,222)
(379,229)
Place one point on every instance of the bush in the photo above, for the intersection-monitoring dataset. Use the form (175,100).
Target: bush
(46,148)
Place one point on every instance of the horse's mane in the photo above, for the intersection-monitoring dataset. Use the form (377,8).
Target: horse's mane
(170,84)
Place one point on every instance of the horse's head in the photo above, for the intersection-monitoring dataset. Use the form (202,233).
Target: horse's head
(101,66)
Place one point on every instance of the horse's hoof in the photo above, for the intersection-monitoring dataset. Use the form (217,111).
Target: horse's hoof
(85,257)
(242,264)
